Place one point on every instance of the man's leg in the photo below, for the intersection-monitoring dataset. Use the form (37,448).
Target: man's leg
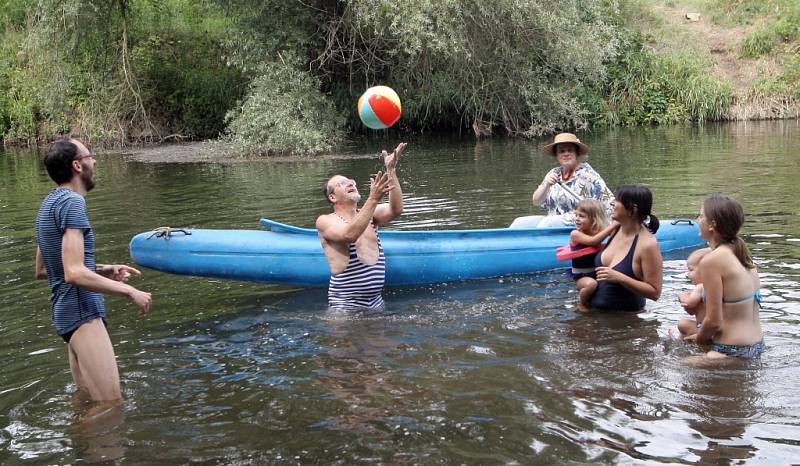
(529,221)
(95,367)
(550,221)
(75,368)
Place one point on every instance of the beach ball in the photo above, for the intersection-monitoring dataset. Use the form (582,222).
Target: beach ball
(379,107)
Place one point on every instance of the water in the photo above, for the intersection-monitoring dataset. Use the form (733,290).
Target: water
(484,372)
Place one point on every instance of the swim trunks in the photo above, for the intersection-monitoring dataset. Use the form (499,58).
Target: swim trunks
(68,336)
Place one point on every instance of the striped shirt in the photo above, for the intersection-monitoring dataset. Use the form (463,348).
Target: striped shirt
(72,306)
(360,285)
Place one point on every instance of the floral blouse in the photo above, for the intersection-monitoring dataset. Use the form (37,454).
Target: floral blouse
(585,182)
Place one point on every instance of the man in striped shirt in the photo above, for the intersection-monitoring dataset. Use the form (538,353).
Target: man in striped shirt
(65,256)
(349,235)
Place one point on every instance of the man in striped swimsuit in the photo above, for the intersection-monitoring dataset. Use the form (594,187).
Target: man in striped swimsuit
(349,235)
(65,256)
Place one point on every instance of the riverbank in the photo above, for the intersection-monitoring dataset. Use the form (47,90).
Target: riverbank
(753,46)
(197,71)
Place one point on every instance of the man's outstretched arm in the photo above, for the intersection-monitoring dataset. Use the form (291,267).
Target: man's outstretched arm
(76,273)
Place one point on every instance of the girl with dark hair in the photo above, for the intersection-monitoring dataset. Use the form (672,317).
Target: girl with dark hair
(730,282)
(630,268)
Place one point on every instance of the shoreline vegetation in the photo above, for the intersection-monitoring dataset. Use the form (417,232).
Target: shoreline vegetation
(281,78)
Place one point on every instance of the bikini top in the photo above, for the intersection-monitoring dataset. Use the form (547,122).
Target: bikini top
(755,296)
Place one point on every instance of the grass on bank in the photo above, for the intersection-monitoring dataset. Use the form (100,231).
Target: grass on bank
(768,46)
(661,88)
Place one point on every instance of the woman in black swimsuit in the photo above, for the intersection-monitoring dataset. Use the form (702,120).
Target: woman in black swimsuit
(630,268)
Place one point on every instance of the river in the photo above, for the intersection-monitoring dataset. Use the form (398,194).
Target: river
(500,371)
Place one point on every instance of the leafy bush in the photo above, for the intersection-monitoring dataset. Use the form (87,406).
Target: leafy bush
(137,71)
(187,85)
(32,106)
(647,88)
(513,64)
(284,112)
(5,71)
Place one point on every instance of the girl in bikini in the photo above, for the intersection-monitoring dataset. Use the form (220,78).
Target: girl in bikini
(731,285)
(591,228)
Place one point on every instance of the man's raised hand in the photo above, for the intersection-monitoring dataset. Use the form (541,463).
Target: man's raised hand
(391,159)
(379,185)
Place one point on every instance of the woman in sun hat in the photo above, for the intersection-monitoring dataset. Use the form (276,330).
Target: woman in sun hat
(564,186)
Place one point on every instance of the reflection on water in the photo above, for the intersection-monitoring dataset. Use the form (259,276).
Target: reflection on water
(492,371)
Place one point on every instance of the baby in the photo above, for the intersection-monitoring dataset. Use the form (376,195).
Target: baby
(692,301)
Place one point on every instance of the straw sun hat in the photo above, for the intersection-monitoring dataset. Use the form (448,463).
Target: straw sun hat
(561,138)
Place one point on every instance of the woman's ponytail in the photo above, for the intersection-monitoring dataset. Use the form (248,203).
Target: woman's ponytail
(652,224)
(741,252)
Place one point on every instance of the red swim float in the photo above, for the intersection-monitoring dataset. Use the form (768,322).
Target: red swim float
(565,253)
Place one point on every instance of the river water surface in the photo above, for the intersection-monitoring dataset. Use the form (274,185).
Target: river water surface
(486,372)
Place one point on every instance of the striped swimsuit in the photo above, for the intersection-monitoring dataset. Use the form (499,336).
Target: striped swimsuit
(360,285)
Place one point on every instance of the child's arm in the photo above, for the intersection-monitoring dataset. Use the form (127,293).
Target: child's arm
(692,299)
(579,237)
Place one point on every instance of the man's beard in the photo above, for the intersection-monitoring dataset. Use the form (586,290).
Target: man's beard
(355,197)
(88,180)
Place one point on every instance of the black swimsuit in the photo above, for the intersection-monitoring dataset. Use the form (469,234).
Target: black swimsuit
(582,266)
(613,296)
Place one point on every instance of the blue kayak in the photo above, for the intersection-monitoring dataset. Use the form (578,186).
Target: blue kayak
(289,255)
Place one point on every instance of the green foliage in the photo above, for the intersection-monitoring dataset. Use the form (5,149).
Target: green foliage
(265,31)
(187,85)
(647,88)
(740,11)
(33,89)
(757,43)
(511,64)
(123,71)
(787,28)
(780,24)
(5,77)
(283,113)
(786,83)
(791,75)
(13,13)
(283,77)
